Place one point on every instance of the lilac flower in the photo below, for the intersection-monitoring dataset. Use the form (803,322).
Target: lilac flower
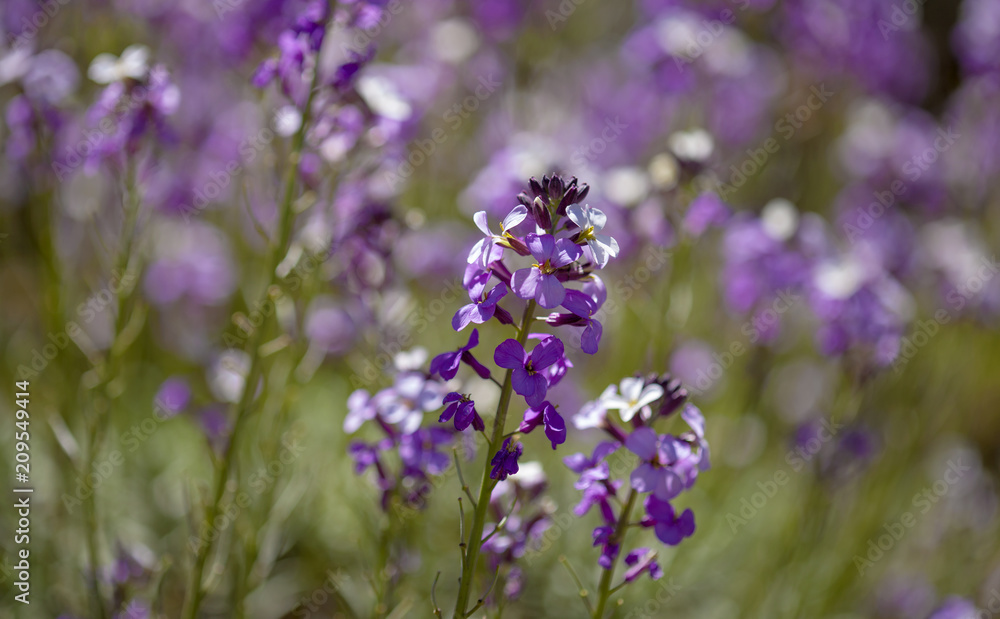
(488,249)
(545,413)
(483,306)
(174,395)
(593,413)
(591,221)
(527,379)
(539,281)
(635,395)
(705,211)
(411,396)
(595,480)
(669,528)
(360,408)
(583,308)
(505,461)
(419,452)
(446,364)
(463,409)
(609,551)
(642,560)
(956,608)
(658,454)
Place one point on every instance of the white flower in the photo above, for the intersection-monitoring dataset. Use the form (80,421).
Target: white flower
(108,68)
(592,221)
(383,98)
(593,413)
(482,251)
(633,397)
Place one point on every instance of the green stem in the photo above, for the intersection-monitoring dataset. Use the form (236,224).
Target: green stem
(486,489)
(604,589)
(277,253)
(131,203)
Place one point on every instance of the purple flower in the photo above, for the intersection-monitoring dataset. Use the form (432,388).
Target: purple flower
(595,479)
(642,560)
(706,210)
(505,461)
(446,364)
(174,395)
(583,307)
(609,551)
(539,281)
(408,399)
(659,453)
(487,249)
(527,379)
(669,528)
(365,455)
(483,306)
(955,608)
(463,409)
(545,413)
(419,452)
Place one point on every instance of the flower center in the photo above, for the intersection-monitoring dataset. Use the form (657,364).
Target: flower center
(587,234)
(546,268)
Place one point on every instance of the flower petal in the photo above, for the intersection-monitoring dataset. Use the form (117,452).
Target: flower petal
(525,282)
(645,478)
(546,353)
(555,426)
(565,252)
(541,246)
(516,216)
(482,222)
(642,442)
(510,354)
(550,292)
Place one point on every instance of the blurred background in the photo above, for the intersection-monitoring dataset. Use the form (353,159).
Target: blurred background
(805,193)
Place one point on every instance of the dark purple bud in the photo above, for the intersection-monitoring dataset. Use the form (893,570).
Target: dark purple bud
(500,270)
(524,199)
(540,212)
(468,359)
(517,245)
(503,316)
(536,187)
(569,197)
(555,188)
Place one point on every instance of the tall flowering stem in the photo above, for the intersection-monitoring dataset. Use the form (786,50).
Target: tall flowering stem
(604,588)
(278,250)
(471,554)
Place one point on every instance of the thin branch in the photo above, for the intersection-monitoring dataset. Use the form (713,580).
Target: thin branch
(461,530)
(482,600)
(434,605)
(579,583)
(461,478)
(502,522)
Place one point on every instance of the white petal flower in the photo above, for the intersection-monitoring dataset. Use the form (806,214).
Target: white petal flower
(633,397)
(108,68)
(483,251)
(591,221)
(592,414)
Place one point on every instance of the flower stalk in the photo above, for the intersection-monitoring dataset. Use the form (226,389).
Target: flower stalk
(604,588)
(475,540)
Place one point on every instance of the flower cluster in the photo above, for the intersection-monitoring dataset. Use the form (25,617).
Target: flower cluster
(668,464)
(398,412)
(563,243)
